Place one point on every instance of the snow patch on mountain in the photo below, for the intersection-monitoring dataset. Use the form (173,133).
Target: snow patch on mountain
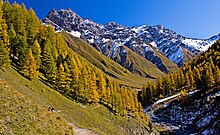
(177,56)
(197,44)
(75,33)
(153,44)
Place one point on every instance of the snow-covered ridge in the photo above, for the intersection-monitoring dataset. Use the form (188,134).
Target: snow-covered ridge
(165,40)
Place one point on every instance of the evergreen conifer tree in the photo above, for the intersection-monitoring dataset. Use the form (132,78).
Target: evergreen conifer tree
(30,67)
(102,87)
(4,58)
(191,78)
(217,75)
(12,35)
(187,79)
(4,34)
(36,49)
(48,65)
(61,79)
(92,91)
(198,80)
(209,76)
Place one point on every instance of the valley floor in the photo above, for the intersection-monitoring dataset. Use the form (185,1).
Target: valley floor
(199,113)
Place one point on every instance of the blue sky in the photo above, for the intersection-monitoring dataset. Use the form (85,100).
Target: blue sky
(191,18)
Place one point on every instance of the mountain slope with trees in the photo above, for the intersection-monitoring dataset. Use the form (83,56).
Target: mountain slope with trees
(195,110)
(32,100)
(37,52)
(116,42)
(200,73)
(144,69)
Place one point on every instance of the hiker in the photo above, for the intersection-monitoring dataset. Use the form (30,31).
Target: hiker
(51,109)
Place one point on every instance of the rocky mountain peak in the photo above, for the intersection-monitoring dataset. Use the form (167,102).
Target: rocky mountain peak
(143,40)
(68,13)
(52,12)
(112,25)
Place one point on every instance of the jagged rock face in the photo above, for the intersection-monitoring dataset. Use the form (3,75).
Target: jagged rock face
(65,18)
(111,38)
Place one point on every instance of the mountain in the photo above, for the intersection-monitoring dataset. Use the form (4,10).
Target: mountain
(42,76)
(46,86)
(141,71)
(112,39)
(52,82)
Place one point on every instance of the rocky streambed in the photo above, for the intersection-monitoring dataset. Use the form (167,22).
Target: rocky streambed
(196,113)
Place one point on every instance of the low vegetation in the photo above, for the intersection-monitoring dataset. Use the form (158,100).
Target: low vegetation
(19,114)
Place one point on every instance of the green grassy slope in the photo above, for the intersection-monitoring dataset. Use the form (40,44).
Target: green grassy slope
(19,114)
(143,66)
(112,68)
(94,117)
(171,66)
(187,55)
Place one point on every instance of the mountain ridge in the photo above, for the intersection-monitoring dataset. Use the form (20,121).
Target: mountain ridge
(112,68)
(133,26)
(142,37)
(108,48)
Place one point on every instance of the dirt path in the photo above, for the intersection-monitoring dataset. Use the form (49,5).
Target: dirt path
(95,107)
(81,131)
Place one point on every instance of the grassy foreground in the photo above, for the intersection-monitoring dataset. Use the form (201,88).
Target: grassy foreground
(29,112)
(19,114)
